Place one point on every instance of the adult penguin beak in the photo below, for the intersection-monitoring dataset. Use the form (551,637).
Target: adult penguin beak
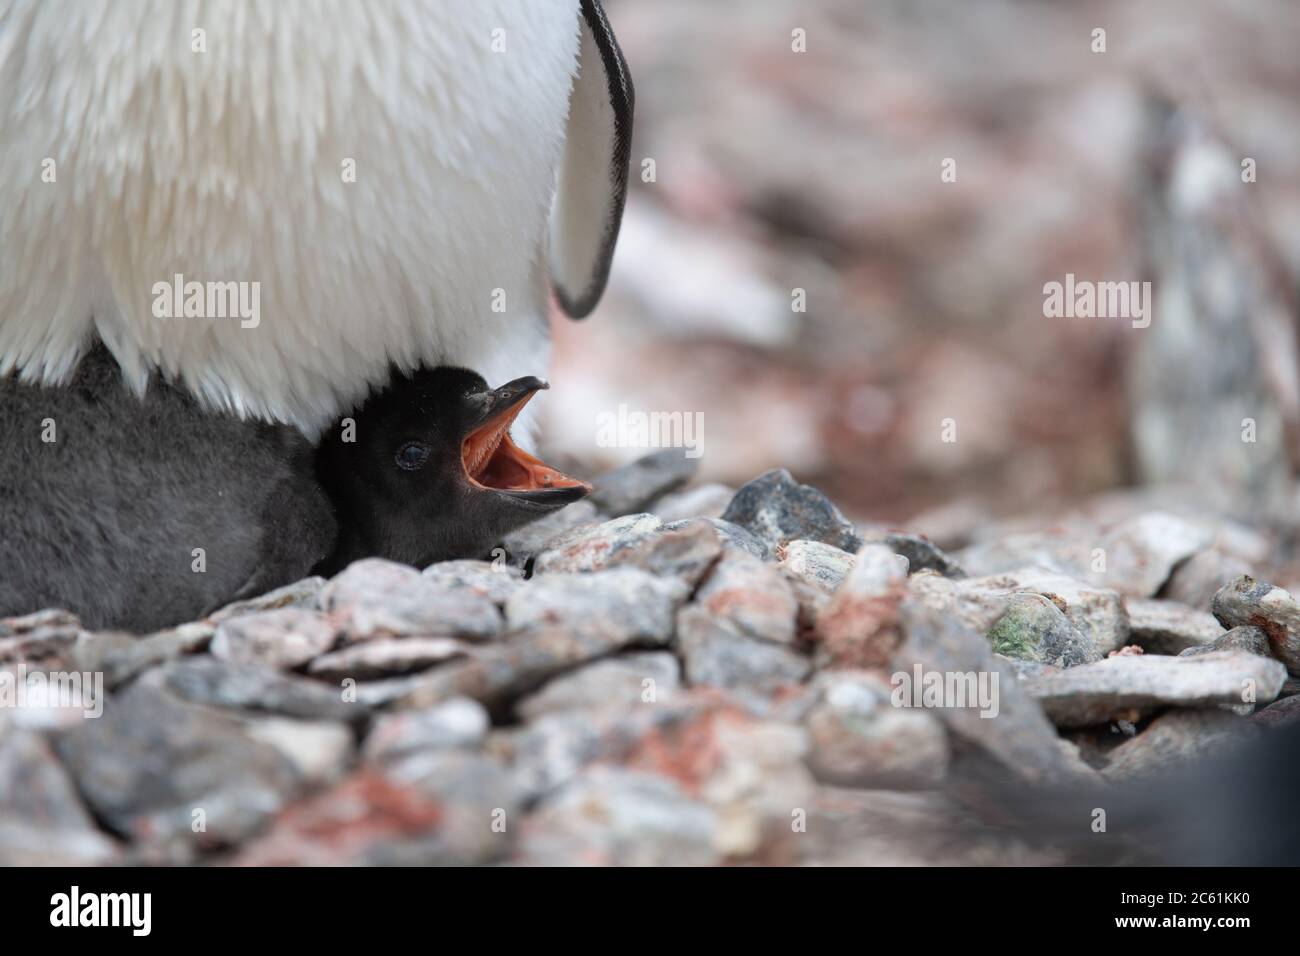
(493,462)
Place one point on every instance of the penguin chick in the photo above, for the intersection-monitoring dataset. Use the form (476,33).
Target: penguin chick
(426,470)
(140,513)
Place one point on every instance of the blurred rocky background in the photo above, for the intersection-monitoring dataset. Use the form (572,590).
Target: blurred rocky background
(775,170)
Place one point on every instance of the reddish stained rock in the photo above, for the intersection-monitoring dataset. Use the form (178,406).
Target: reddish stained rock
(591,547)
(752,597)
(1274,611)
(859,626)
(362,819)
(687,552)
(688,751)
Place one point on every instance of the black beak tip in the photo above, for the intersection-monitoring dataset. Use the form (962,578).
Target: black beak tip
(524,386)
(549,499)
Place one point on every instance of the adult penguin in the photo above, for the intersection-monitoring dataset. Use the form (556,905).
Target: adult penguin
(271,204)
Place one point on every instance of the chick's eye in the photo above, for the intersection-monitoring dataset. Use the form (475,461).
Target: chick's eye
(412,456)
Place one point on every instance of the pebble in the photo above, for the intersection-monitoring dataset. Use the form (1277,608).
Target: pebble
(858,625)
(167,773)
(718,655)
(1167,627)
(688,552)
(1176,737)
(616,682)
(521,546)
(751,597)
(655,675)
(592,547)
(1271,609)
(495,581)
(777,509)
(206,680)
(922,554)
(378,659)
(631,488)
(43,821)
(859,739)
(1033,628)
(458,723)
(284,639)
(376,598)
(1139,684)
(702,501)
(614,817)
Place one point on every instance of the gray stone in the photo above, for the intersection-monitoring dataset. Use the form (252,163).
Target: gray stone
(687,553)
(524,544)
(1280,713)
(750,597)
(778,510)
(152,761)
(613,817)
(40,636)
(1007,728)
(1098,614)
(1166,627)
(478,799)
(552,748)
(1199,578)
(1175,737)
(814,571)
(495,581)
(1129,687)
(559,622)
(42,819)
(703,501)
(859,739)
(593,547)
(922,554)
(375,659)
(618,606)
(366,819)
(732,536)
(719,656)
(320,751)
(1249,640)
(615,682)
(121,657)
(458,723)
(1033,628)
(629,489)
(376,598)
(1271,609)
(303,594)
(284,639)
(205,680)
(816,563)
(1142,552)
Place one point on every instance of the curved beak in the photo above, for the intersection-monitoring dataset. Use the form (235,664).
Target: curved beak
(493,462)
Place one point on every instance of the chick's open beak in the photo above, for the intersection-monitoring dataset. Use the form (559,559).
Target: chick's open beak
(493,462)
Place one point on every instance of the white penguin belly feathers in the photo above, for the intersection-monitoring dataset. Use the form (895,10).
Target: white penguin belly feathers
(376,179)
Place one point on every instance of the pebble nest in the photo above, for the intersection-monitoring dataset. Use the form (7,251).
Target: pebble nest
(650,676)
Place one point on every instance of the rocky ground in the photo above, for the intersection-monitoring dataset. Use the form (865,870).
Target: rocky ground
(652,676)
